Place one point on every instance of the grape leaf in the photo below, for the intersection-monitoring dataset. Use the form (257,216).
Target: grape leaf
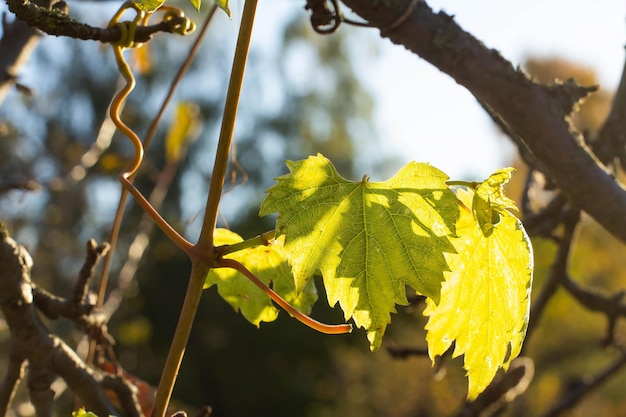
(368,239)
(269,265)
(484,304)
(489,200)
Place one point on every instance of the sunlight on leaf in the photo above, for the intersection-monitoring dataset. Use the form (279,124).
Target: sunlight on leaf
(368,239)
(485,299)
(269,265)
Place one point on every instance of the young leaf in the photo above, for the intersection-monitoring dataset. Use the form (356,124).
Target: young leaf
(489,200)
(368,239)
(269,265)
(485,299)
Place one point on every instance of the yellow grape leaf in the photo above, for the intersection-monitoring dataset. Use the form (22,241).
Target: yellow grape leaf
(485,299)
(269,265)
(368,239)
(183,130)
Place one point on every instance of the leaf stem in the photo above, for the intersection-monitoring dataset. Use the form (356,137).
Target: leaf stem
(469,184)
(228,125)
(260,240)
(301,317)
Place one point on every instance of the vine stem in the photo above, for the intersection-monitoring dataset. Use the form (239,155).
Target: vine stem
(301,317)
(469,184)
(205,242)
(203,253)
(199,271)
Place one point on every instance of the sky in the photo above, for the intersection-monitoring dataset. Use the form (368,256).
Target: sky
(424,115)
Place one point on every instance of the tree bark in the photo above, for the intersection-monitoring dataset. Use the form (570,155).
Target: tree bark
(538,114)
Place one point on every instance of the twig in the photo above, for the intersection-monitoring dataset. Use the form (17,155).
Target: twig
(578,392)
(57,23)
(558,273)
(612,306)
(502,390)
(405,352)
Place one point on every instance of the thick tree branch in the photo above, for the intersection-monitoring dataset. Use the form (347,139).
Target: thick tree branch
(538,114)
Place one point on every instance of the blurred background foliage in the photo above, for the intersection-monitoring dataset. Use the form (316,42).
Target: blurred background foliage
(299,98)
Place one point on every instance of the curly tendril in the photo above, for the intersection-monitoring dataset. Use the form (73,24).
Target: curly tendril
(127,40)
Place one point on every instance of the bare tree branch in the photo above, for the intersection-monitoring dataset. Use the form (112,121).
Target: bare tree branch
(538,114)
(558,273)
(47,355)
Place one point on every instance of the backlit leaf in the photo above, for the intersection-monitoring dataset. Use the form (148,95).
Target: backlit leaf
(484,304)
(368,239)
(269,265)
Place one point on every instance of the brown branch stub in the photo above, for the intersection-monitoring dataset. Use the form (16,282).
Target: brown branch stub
(57,23)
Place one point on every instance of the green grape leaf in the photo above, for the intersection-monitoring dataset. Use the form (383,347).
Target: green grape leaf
(148,5)
(484,304)
(368,239)
(222,4)
(270,266)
